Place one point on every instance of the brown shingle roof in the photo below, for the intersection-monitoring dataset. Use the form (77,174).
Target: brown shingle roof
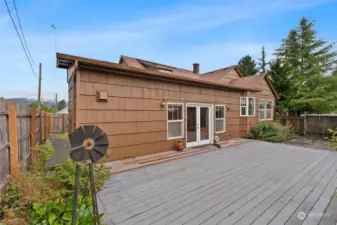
(254,81)
(148,69)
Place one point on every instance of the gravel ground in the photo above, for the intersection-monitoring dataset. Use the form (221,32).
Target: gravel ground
(310,142)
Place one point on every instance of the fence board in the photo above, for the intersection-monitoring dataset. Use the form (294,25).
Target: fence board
(4,144)
(316,124)
(17,136)
(23,118)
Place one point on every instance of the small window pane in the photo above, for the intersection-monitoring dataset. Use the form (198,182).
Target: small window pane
(243,111)
(175,129)
(175,112)
(219,125)
(243,101)
(251,107)
(179,112)
(269,104)
(262,104)
(220,112)
(170,112)
(269,114)
(262,114)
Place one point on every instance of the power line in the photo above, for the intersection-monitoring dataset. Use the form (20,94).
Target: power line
(23,35)
(16,29)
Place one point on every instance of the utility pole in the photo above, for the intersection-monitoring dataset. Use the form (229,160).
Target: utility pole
(39,92)
(56,101)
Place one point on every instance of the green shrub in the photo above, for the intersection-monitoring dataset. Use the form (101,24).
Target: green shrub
(62,135)
(59,212)
(44,195)
(270,131)
(333,139)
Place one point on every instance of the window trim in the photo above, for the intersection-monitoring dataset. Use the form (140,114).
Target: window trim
(224,119)
(265,110)
(247,106)
(172,121)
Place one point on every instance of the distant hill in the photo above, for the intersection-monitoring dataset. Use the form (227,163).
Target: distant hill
(27,101)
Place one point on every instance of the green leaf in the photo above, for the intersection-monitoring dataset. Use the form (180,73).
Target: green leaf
(51,218)
(67,217)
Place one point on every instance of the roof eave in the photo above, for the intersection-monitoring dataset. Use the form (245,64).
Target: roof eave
(64,61)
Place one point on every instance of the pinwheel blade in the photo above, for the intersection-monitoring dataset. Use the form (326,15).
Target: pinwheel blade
(88,142)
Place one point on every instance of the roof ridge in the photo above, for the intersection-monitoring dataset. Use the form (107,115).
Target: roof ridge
(225,68)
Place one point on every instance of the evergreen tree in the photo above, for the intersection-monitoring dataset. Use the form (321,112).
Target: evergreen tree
(262,60)
(279,76)
(247,66)
(309,61)
(61,105)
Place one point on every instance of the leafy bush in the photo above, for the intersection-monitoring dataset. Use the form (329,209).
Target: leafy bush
(333,139)
(270,131)
(59,211)
(44,195)
(62,135)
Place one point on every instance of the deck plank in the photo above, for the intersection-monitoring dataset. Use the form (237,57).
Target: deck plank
(256,182)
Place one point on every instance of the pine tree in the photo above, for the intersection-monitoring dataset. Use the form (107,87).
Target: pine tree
(262,60)
(309,61)
(279,76)
(61,105)
(247,66)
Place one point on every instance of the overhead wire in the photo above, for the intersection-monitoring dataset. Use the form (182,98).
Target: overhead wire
(17,32)
(23,35)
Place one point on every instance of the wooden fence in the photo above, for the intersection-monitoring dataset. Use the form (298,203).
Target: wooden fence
(313,124)
(22,128)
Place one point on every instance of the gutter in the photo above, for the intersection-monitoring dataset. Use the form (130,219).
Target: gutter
(64,61)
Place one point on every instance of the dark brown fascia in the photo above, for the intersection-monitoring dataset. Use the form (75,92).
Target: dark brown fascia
(65,60)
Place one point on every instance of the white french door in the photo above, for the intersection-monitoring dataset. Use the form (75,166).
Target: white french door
(199,124)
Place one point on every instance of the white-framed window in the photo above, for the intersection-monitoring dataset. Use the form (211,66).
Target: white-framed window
(247,106)
(175,120)
(266,110)
(220,118)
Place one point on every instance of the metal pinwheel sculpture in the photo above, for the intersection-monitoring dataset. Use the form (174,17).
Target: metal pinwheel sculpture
(88,145)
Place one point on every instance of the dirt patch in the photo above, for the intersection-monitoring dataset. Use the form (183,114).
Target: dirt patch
(310,142)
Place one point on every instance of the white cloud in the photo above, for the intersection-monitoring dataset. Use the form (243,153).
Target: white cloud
(148,37)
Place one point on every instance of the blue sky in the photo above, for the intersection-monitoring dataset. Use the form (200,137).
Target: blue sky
(213,33)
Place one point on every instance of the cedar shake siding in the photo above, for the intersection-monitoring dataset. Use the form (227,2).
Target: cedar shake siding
(134,117)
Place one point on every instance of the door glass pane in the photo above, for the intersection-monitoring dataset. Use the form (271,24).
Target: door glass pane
(204,123)
(191,124)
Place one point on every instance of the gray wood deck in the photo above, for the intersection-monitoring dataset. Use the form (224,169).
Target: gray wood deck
(254,183)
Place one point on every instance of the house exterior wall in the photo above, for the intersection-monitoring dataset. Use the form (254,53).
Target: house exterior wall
(133,118)
(265,94)
(71,97)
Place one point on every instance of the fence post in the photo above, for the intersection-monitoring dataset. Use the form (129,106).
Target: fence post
(305,124)
(50,124)
(45,125)
(63,123)
(41,127)
(13,139)
(33,130)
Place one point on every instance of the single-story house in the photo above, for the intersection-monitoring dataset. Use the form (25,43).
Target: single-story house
(146,107)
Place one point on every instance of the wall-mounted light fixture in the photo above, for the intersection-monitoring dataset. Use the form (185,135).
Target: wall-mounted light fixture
(163,104)
(227,108)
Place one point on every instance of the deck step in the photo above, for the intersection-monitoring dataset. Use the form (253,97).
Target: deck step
(175,156)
